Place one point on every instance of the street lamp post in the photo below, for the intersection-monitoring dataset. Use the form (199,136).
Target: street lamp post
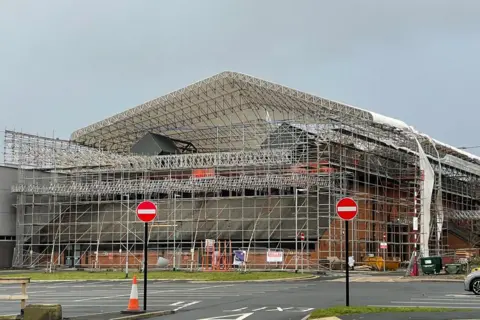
(296,227)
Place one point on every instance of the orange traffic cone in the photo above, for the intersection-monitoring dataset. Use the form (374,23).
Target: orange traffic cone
(133,305)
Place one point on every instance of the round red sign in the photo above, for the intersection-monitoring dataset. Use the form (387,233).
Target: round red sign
(347,208)
(147,211)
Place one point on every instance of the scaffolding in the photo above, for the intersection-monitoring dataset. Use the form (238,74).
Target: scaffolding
(265,163)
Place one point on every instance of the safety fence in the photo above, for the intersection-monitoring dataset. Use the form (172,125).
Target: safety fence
(185,259)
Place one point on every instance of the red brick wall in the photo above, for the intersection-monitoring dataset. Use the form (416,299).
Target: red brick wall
(454,242)
(363,227)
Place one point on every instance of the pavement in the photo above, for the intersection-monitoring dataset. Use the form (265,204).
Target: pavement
(283,300)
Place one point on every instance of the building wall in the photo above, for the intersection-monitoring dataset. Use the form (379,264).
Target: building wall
(369,227)
(8,176)
(455,242)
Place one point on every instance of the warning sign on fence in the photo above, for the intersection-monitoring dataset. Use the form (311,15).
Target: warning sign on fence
(209,245)
(274,256)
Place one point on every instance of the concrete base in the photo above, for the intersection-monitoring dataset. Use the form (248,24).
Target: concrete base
(132,312)
(43,312)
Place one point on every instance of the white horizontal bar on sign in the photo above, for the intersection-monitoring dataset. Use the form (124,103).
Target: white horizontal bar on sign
(147,211)
(343,209)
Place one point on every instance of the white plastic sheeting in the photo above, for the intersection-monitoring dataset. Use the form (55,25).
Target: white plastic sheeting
(463,152)
(461,164)
(381,119)
(440,215)
(426,200)
(438,199)
(399,124)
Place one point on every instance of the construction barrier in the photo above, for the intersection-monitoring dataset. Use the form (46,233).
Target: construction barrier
(23,297)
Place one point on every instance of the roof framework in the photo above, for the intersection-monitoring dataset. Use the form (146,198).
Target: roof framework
(207,109)
(68,188)
(205,113)
(227,117)
(464,214)
(38,152)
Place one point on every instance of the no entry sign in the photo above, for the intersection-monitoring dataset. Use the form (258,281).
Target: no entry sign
(146,211)
(347,209)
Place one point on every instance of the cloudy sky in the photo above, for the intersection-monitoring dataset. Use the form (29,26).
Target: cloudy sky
(65,64)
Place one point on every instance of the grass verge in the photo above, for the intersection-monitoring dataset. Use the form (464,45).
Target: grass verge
(339,311)
(158,275)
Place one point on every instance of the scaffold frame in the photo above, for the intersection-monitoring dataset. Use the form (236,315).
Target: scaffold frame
(264,156)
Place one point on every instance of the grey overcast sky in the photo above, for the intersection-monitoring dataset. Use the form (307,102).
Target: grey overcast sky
(65,64)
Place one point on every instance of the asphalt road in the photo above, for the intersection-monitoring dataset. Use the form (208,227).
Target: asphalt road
(250,301)
(415,316)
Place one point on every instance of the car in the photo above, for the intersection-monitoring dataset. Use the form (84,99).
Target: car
(472,282)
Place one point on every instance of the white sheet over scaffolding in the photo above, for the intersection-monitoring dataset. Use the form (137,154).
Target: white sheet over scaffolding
(426,200)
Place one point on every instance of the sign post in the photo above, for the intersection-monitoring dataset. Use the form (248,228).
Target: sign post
(347,210)
(302,238)
(146,211)
(384,246)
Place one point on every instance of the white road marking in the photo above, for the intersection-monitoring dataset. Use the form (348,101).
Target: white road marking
(235,310)
(177,303)
(186,305)
(258,309)
(434,302)
(462,295)
(153,292)
(422,306)
(240,316)
(442,299)
(275,309)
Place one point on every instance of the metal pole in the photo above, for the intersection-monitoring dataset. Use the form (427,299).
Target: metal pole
(301,253)
(127,255)
(174,231)
(296,230)
(145,267)
(384,259)
(347,273)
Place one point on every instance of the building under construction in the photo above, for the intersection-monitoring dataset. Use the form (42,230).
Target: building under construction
(237,163)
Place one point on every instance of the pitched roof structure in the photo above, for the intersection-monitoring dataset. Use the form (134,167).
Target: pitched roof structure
(225,110)
(202,111)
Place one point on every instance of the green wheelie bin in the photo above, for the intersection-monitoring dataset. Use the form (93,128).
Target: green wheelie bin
(431,265)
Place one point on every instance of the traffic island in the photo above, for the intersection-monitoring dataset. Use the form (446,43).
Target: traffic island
(335,312)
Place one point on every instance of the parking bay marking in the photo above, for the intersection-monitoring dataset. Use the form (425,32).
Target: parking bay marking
(240,316)
(186,305)
(153,292)
(277,309)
